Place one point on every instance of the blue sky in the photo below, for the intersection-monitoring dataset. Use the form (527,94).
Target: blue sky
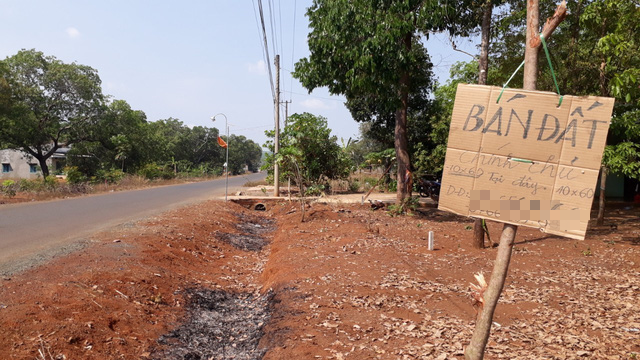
(188,59)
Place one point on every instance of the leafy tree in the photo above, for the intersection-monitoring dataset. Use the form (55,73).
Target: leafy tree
(307,147)
(177,144)
(595,52)
(243,153)
(47,104)
(366,144)
(199,146)
(121,141)
(370,52)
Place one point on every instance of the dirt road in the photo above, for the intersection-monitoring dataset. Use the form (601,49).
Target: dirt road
(32,232)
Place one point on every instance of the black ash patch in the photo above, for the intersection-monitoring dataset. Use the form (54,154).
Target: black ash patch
(220,325)
(253,229)
(244,242)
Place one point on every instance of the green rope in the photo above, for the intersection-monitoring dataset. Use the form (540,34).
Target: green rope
(553,74)
(508,81)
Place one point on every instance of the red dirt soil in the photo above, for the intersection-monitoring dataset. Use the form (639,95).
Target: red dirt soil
(349,283)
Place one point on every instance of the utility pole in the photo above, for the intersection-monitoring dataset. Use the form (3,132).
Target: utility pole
(276,168)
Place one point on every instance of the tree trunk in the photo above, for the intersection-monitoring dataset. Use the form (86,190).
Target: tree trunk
(603,182)
(402,153)
(475,350)
(603,168)
(400,140)
(483,68)
(483,62)
(43,166)
(531,53)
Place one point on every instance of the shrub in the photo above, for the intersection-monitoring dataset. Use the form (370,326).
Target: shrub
(167,174)
(392,186)
(150,171)
(354,186)
(9,188)
(315,190)
(27,185)
(50,182)
(112,176)
(74,175)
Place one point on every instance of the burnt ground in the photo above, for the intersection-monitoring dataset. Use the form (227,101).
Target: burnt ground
(220,325)
(217,281)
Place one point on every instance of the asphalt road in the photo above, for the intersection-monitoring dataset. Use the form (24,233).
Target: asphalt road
(33,232)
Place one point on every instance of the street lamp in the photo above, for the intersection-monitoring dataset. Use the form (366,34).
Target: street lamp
(226,167)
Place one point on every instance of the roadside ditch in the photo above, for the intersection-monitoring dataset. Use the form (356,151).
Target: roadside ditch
(224,324)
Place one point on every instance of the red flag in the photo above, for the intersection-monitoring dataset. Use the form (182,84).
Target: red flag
(221,142)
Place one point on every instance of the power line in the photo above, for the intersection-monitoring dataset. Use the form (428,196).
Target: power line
(280,21)
(274,42)
(317,97)
(266,48)
(264,53)
(293,44)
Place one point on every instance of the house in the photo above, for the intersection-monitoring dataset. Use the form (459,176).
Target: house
(18,165)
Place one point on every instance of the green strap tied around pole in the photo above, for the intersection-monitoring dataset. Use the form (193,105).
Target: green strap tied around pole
(508,81)
(553,74)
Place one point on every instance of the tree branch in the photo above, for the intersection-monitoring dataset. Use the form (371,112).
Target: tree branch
(453,45)
(551,24)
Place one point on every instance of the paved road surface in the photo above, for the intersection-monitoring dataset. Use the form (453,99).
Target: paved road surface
(33,232)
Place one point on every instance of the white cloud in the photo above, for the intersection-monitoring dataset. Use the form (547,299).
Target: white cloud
(314,104)
(258,67)
(72,32)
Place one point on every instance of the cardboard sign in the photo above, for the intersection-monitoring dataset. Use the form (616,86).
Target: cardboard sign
(523,159)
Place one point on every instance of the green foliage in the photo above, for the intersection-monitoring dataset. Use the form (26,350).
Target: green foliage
(372,52)
(50,182)
(354,186)
(74,175)
(595,51)
(243,153)
(109,176)
(306,145)
(407,207)
(381,158)
(623,158)
(8,188)
(28,185)
(315,190)
(47,104)
(370,182)
(152,171)
(428,154)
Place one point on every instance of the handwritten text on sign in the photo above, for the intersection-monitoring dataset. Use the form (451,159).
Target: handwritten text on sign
(525,160)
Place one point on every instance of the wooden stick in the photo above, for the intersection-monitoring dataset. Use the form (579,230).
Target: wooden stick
(378,183)
(475,350)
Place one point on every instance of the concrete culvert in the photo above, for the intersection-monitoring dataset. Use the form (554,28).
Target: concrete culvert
(260,207)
